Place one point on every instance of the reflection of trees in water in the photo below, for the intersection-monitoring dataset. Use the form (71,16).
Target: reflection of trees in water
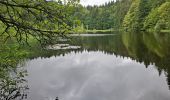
(149,49)
(13,85)
(144,48)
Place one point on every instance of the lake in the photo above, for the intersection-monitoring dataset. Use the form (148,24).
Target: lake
(122,66)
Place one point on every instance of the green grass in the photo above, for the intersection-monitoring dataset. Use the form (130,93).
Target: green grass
(93,31)
(165,31)
(96,31)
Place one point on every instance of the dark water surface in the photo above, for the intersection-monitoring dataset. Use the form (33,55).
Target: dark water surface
(103,67)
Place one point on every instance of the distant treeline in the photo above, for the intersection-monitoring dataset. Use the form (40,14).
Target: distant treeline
(130,15)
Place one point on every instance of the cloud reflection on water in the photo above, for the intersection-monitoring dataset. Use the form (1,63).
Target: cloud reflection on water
(94,76)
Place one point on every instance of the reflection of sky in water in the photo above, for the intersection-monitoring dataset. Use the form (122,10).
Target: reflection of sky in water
(94,76)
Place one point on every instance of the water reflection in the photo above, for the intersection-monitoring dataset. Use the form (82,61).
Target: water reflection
(121,67)
(125,66)
(94,76)
(150,49)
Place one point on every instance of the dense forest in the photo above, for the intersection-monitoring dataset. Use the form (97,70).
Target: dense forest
(107,16)
(130,15)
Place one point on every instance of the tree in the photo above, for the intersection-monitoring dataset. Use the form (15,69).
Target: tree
(131,19)
(136,15)
(159,18)
(121,8)
(147,15)
(41,19)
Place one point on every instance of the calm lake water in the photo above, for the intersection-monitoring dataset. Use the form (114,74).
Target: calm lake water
(102,67)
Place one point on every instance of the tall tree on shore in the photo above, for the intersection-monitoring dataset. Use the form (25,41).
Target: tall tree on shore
(121,8)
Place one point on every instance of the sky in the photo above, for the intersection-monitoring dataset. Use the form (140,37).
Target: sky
(93,2)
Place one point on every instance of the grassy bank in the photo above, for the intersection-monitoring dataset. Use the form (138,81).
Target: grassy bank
(165,31)
(92,31)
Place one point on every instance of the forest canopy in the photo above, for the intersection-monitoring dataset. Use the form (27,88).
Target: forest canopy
(128,15)
(148,15)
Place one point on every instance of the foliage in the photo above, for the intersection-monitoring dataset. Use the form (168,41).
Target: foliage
(131,18)
(12,82)
(132,15)
(150,15)
(159,18)
(107,16)
(121,8)
(41,19)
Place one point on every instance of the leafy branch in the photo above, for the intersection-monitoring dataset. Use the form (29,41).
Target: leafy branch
(43,20)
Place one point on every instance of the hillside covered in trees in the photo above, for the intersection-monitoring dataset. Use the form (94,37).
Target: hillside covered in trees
(130,15)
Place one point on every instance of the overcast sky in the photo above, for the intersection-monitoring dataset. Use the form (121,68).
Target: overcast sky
(93,2)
